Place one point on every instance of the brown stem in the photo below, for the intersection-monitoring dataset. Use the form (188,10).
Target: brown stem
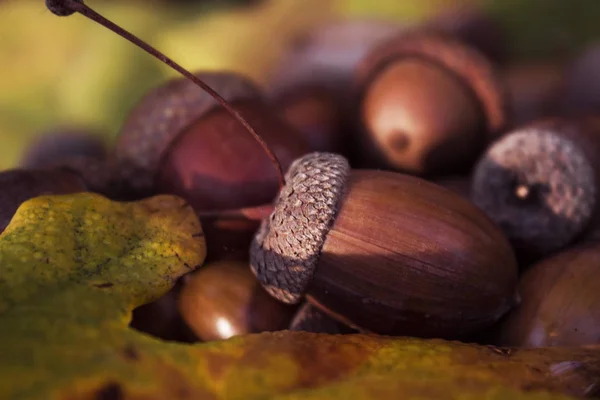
(256,213)
(67,7)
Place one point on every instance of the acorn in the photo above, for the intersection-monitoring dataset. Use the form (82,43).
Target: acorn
(77,148)
(539,183)
(326,55)
(534,89)
(223,299)
(317,114)
(20,185)
(310,319)
(178,141)
(581,91)
(383,251)
(560,302)
(427,104)
(474,26)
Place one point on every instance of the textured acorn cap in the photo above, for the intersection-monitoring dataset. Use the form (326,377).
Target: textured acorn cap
(538,186)
(163,114)
(286,248)
(460,60)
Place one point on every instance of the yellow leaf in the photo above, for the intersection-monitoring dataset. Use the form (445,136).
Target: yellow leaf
(72,268)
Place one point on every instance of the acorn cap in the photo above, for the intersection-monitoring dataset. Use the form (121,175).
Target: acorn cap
(538,186)
(464,62)
(163,114)
(286,248)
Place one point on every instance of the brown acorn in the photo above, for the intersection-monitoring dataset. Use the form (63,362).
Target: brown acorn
(223,299)
(383,251)
(327,55)
(310,319)
(428,104)
(62,143)
(539,183)
(581,91)
(474,26)
(20,185)
(178,141)
(316,113)
(534,90)
(560,302)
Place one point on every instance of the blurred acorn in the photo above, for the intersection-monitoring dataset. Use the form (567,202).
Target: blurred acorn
(474,26)
(428,104)
(534,90)
(177,140)
(582,83)
(316,112)
(560,303)
(539,183)
(20,185)
(223,299)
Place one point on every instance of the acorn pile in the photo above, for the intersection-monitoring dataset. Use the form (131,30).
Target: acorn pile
(432,187)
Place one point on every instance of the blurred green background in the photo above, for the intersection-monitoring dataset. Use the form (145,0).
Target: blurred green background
(69,70)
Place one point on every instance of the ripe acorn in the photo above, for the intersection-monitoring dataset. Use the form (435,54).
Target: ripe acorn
(581,93)
(310,319)
(534,90)
(428,104)
(178,141)
(316,113)
(223,299)
(77,148)
(20,185)
(560,302)
(539,183)
(476,27)
(383,251)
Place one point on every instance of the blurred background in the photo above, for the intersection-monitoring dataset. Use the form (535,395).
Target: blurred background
(69,71)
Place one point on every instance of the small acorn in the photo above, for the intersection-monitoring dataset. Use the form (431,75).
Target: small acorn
(178,141)
(581,92)
(310,319)
(539,183)
(474,26)
(383,251)
(20,185)
(534,90)
(223,299)
(327,55)
(560,302)
(428,104)
(77,148)
(316,113)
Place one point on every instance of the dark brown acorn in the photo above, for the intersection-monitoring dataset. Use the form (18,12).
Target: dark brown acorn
(223,299)
(581,93)
(310,319)
(539,183)
(428,104)
(560,302)
(179,141)
(476,27)
(383,251)
(316,112)
(534,90)
(20,185)
(61,143)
